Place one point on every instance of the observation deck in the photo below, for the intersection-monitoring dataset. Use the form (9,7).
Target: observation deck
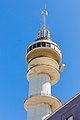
(43,48)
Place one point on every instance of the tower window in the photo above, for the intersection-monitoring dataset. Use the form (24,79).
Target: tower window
(52,46)
(34,46)
(70,118)
(27,50)
(30,47)
(43,44)
(38,44)
(48,45)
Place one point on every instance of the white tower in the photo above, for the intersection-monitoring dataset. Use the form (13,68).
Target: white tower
(43,58)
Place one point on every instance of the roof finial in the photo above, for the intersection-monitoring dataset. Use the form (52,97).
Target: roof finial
(44,14)
(44,32)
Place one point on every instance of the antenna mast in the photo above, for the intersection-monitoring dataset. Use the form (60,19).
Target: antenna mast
(44,14)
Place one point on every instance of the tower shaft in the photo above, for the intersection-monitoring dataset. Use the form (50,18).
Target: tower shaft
(39,85)
(38,112)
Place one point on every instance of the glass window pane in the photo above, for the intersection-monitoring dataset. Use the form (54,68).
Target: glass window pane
(30,47)
(27,50)
(43,44)
(34,46)
(38,44)
(48,45)
(70,118)
(52,46)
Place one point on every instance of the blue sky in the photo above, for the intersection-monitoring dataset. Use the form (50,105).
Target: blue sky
(20,21)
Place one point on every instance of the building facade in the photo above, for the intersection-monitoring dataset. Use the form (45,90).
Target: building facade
(69,111)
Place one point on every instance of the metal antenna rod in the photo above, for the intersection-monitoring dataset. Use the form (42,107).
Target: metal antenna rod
(44,14)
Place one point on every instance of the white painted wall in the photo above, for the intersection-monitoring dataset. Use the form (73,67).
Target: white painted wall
(39,85)
(38,112)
